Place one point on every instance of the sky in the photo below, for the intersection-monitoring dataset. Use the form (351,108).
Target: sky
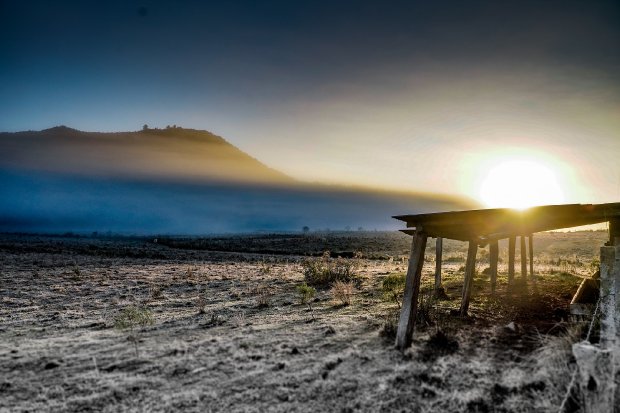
(410,95)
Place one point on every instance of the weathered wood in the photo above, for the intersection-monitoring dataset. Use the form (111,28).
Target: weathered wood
(408,312)
(512,242)
(523,259)
(467,225)
(470,267)
(438,257)
(493,259)
(531,251)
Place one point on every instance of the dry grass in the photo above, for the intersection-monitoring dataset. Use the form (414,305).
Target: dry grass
(343,292)
(59,351)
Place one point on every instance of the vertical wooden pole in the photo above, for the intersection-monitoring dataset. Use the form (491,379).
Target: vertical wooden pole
(438,257)
(406,323)
(523,259)
(512,241)
(470,267)
(531,251)
(493,259)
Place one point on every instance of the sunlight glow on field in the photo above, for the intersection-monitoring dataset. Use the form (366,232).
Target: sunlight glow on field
(520,183)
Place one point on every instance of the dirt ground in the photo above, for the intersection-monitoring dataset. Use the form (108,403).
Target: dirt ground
(229,332)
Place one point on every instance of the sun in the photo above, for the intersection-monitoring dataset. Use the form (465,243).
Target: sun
(520,184)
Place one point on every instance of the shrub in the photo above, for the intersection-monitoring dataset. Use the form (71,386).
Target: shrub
(393,287)
(201,303)
(325,271)
(390,326)
(76,272)
(426,313)
(263,296)
(132,317)
(306,294)
(343,291)
(156,291)
(264,268)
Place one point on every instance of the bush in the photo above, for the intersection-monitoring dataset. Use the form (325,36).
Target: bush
(306,293)
(325,271)
(343,291)
(390,326)
(393,287)
(132,317)
(263,296)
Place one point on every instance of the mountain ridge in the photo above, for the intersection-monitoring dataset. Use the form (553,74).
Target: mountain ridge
(156,153)
(176,181)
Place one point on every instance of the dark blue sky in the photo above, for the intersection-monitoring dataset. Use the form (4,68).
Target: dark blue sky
(330,84)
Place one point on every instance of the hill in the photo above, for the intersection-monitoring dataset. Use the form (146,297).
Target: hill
(175,181)
(171,153)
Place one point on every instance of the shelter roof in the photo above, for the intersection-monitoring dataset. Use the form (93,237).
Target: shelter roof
(492,224)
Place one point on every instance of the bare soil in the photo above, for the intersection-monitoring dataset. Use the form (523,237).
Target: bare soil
(230,333)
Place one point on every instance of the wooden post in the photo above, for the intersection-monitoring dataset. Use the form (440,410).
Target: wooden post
(493,258)
(512,241)
(531,250)
(470,267)
(523,260)
(406,323)
(438,257)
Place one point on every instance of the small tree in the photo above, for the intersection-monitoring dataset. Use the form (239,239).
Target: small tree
(145,127)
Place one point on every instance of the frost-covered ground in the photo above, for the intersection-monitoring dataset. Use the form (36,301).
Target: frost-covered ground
(229,334)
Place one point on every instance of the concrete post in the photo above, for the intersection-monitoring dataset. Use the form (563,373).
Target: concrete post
(610,296)
(596,377)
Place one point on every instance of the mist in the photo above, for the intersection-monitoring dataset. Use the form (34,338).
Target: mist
(56,203)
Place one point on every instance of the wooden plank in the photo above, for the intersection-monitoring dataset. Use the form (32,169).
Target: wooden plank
(408,312)
(493,259)
(470,267)
(438,258)
(512,241)
(523,259)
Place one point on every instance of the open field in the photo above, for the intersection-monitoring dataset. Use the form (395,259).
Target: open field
(224,329)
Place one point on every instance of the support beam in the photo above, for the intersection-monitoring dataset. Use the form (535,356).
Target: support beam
(493,259)
(438,257)
(512,241)
(470,267)
(531,251)
(408,312)
(523,260)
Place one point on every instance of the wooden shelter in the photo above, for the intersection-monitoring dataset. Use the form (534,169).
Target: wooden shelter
(488,226)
